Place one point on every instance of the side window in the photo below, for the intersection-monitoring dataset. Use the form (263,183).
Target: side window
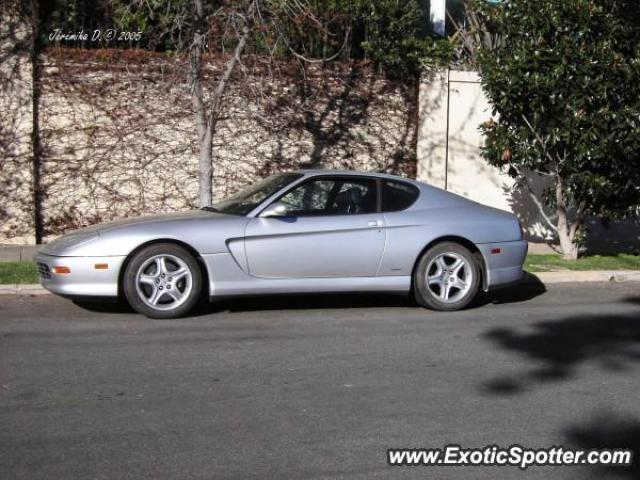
(310,198)
(340,196)
(397,196)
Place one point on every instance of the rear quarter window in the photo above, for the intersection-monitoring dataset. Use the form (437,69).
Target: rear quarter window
(397,196)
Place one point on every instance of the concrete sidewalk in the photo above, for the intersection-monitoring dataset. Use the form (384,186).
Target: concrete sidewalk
(576,276)
(17,253)
(27,289)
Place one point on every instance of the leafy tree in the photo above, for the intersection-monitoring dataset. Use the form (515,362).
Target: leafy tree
(470,33)
(396,37)
(565,83)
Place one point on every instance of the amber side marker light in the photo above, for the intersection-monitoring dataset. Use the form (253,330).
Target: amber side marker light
(101,266)
(495,251)
(61,270)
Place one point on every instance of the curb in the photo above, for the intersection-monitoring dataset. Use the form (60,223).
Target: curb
(23,289)
(615,276)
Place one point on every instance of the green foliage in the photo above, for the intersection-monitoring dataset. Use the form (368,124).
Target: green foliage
(163,23)
(391,33)
(71,16)
(18,272)
(395,36)
(548,263)
(565,83)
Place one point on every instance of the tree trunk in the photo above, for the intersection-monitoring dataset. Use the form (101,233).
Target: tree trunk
(567,229)
(36,145)
(566,234)
(205,167)
(207,114)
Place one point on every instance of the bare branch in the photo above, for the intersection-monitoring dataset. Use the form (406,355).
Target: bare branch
(542,143)
(231,65)
(540,206)
(323,60)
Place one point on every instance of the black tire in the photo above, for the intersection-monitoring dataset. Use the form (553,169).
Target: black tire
(462,285)
(187,288)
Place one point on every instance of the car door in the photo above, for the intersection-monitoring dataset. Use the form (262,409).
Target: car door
(332,228)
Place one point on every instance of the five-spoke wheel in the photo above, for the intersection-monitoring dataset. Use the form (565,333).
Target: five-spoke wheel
(446,277)
(162,281)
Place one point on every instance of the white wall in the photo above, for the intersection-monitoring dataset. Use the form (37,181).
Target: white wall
(452,107)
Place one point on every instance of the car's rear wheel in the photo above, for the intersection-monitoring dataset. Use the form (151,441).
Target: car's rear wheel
(163,281)
(446,277)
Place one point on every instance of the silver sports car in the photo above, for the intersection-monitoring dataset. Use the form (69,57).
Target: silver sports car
(300,232)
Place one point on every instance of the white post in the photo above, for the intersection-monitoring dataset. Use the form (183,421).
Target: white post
(438,16)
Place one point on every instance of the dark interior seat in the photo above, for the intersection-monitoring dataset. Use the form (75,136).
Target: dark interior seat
(348,201)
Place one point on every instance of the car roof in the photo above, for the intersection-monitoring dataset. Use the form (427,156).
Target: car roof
(429,194)
(315,172)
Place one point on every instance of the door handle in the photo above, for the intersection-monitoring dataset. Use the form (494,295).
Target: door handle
(375,223)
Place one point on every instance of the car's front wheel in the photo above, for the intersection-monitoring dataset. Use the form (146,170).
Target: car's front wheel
(163,281)
(446,278)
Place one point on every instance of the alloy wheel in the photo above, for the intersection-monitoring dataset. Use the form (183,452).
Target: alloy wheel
(449,277)
(164,282)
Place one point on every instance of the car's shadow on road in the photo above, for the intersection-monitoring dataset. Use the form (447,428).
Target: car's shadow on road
(271,302)
(514,294)
(524,291)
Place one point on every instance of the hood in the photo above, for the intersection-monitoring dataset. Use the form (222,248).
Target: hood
(148,219)
(77,238)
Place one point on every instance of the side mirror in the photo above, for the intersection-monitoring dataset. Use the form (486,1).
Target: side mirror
(276,209)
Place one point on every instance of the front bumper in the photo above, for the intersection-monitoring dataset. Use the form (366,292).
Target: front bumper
(504,267)
(84,279)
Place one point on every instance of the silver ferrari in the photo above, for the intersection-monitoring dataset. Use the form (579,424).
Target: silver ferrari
(299,232)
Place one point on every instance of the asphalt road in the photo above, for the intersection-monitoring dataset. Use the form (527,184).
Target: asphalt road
(316,387)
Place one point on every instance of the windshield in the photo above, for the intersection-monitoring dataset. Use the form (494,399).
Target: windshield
(246,200)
